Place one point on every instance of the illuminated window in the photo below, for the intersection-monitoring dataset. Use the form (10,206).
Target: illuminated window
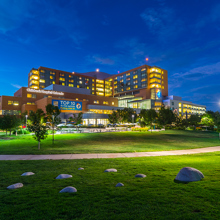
(135,76)
(93,80)
(77,86)
(136,86)
(96,101)
(162,87)
(179,109)
(180,105)
(162,82)
(128,88)
(10,102)
(77,99)
(80,82)
(87,87)
(144,79)
(105,102)
(52,73)
(63,84)
(71,80)
(162,77)
(127,74)
(113,103)
(62,79)
(61,74)
(70,85)
(115,82)
(128,78)
(135,81)
(42,71)
(42,80)
(31,96)
(53,82)
(51,77)
(85,100)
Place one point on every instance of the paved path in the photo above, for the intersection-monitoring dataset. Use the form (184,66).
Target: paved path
(110,155)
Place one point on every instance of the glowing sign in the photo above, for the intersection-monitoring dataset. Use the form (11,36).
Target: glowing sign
(49,92)
(67,105)
(158,93)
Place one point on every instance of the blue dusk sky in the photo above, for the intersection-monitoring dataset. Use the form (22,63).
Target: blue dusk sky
(182,37)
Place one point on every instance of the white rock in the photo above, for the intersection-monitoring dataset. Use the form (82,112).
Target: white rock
(119,184)
(27,174)
(15,186)
(81,168)
(189,174)
(64,176)
(68,189)
(140,175)
(110,170)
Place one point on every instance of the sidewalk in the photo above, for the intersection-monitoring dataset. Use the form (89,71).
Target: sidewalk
(110,155)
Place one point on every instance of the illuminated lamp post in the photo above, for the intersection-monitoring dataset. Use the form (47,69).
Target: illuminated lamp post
(133,119)
(53,127)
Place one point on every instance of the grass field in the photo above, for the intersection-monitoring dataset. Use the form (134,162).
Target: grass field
(153,197)
(109,142)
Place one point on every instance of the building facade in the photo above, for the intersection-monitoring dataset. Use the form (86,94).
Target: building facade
(97,93)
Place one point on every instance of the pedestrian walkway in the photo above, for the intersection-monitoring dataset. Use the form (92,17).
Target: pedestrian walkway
(110,155)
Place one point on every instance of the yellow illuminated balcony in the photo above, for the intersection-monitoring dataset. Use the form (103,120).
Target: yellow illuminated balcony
(153,75)
(35,72)
(34,87)
(35,82)
(155,70)
(100,93)
(34,77)
(155,86)
(99,81)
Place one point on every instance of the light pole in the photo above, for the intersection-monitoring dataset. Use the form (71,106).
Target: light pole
(133,119)
(26,120)
(53,127)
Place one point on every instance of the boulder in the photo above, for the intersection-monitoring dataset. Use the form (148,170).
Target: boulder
(64,176)
(15,186)
(68,189)
(188,174)
(119,184)
(110,170)
(27,174)
(140,175)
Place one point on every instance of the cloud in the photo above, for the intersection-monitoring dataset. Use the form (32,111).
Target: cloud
(200,72)
(16,86)
(161,21)
(205,87)
(100,60)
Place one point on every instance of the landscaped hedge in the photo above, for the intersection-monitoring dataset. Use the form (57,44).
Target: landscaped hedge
(140,129)
(22,131)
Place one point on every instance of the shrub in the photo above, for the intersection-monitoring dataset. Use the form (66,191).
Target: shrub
(140,129)
(22,131)
(190,128)
(198,128)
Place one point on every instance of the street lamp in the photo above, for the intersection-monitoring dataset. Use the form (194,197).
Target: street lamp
(26,120)
(133,119)
(53,127)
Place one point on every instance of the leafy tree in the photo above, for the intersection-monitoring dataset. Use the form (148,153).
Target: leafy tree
(208,120)
(194,120)
(148,116)
(53,110)
(8,123)
(77,118)
(126,115)
(166,116)
(37,126)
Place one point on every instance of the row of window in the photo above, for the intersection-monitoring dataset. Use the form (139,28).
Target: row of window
(104,102)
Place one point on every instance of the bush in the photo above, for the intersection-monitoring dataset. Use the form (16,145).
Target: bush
(51,132)
(140,129)
(190,128)
(22,131)
(198,128)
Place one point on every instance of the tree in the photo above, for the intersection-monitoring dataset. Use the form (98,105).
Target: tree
(115,117)
(208,120)
(194,120)
(165,116)
(77,118)
(149,116)
(53,110)
(37,126)
(126,115)
(9,122)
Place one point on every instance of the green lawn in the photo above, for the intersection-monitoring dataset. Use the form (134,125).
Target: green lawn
(153,197)
(110,142)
